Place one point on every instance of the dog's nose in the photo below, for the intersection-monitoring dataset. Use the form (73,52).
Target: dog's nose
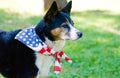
(79,34)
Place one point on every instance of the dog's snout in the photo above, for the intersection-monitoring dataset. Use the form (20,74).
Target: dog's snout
(79,34)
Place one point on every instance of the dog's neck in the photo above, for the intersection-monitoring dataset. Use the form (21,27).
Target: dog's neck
(55,45)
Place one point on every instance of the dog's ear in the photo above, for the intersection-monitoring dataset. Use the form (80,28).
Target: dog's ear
(67,8)
(53,10)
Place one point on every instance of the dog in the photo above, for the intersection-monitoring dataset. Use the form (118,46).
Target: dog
(19,61)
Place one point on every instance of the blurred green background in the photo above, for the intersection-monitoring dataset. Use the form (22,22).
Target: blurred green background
(95,55)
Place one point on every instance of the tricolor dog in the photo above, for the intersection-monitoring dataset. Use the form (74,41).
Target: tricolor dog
(30,52)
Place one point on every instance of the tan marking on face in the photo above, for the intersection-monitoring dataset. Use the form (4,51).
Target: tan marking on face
(56,33)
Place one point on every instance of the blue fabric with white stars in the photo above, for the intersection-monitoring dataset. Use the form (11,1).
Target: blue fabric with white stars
(29,37)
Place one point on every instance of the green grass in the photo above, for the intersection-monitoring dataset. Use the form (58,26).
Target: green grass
(95,55)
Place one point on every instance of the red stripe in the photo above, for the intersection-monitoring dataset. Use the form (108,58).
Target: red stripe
(67,59)
(42,51)
(57,59)
(57,68)
(48,49)
(61,53)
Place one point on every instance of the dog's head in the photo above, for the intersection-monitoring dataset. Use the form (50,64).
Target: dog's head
(58,25)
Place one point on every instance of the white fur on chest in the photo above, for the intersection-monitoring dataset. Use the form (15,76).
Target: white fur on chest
(44,62)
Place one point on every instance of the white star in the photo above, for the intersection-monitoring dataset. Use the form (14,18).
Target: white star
(21,37)
(36,44)
(29,33)
(27,42)
(23,33)
(33,42)
(26,36)
(36,40)
(24,39)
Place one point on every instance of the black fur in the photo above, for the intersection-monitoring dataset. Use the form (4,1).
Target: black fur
(16,60)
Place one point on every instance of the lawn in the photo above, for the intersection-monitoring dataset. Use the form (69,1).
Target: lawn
(95,55)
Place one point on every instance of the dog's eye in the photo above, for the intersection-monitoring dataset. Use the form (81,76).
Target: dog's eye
(65,25)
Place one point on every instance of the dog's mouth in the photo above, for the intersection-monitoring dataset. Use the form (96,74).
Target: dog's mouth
(73,36)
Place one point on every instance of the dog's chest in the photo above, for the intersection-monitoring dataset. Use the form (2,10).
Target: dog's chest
(44,62)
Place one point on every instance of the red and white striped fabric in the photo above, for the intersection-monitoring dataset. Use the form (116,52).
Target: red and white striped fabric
(57,55)
(57,66)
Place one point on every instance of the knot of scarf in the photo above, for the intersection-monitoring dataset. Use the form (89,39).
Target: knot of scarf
(60,54)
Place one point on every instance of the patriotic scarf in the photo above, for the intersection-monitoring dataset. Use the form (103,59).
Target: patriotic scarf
(29,38)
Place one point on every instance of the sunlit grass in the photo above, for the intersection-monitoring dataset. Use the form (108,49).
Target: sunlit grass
(95,55)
